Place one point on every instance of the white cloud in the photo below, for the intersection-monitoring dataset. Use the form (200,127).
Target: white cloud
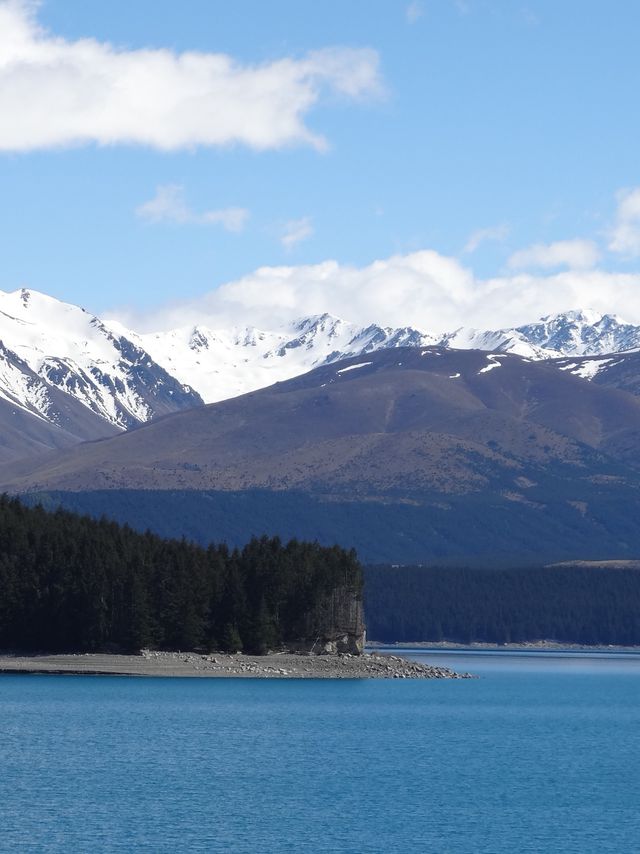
(575,254)
(169,205)
(482,235)
(625,235)
(414,11)
(423,289)
(295,231)
(55,92)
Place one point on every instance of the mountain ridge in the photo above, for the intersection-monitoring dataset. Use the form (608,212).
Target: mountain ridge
(57,358)
(323,339)
(339,416)
(408,454)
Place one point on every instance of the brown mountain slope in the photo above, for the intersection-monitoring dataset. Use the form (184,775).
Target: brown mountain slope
(397,423)
(26,434)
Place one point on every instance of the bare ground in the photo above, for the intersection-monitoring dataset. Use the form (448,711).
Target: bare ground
(272,666)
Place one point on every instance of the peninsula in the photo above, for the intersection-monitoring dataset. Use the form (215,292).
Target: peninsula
(270,666)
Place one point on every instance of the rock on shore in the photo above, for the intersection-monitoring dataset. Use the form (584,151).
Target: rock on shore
(273,666)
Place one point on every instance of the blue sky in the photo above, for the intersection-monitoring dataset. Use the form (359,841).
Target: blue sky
(469,130)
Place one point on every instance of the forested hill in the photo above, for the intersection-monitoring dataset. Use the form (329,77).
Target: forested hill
(413,455)
(71,583)
(570,604)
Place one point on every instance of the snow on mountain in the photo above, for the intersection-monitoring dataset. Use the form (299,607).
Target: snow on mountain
(581,333)
(572,333)
(47,344)
(503,340)
(225,363)
(57,360)
(22,388)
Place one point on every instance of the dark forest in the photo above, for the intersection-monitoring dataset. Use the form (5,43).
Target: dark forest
(570,604)
(69,582)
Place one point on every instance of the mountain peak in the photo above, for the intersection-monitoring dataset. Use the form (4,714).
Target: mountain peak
(317,322)
(580,315)
(583,316)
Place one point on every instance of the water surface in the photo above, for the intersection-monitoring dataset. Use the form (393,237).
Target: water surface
(537,755)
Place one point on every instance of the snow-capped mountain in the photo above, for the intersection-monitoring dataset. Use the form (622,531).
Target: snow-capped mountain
(49,345)
(85,377)
(572,333)
(224,363)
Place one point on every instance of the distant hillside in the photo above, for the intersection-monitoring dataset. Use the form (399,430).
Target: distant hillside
(446,452)
(399,423)
(473,530)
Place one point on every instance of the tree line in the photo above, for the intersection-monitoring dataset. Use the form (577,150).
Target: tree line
(570,604)
(70,582)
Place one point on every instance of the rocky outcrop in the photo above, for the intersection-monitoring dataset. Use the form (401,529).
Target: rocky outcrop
(335,625)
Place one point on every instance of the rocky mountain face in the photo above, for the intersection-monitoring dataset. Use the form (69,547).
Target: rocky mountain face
(70,378)
(572,333)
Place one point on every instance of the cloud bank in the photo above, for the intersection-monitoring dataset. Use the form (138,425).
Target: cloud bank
(55,92)
(422,289)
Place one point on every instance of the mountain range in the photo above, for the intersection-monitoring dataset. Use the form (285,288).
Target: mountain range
(407,453)
(404,420)
(509,445)
(67,376)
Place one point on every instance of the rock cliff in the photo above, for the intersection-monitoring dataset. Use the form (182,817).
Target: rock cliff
(335,624)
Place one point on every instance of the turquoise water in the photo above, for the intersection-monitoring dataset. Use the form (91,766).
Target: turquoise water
(540,754)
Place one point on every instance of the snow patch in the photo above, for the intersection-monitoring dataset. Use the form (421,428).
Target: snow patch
(588,369)
(493,363)
(354,367)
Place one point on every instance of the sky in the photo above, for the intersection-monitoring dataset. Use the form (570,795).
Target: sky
(429,162)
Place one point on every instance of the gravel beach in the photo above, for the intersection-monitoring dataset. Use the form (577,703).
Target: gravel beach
(273,666)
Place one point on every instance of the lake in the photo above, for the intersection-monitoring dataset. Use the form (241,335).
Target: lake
(539,754)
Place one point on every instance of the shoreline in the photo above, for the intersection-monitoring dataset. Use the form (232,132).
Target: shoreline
(152,663)
(526,646)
